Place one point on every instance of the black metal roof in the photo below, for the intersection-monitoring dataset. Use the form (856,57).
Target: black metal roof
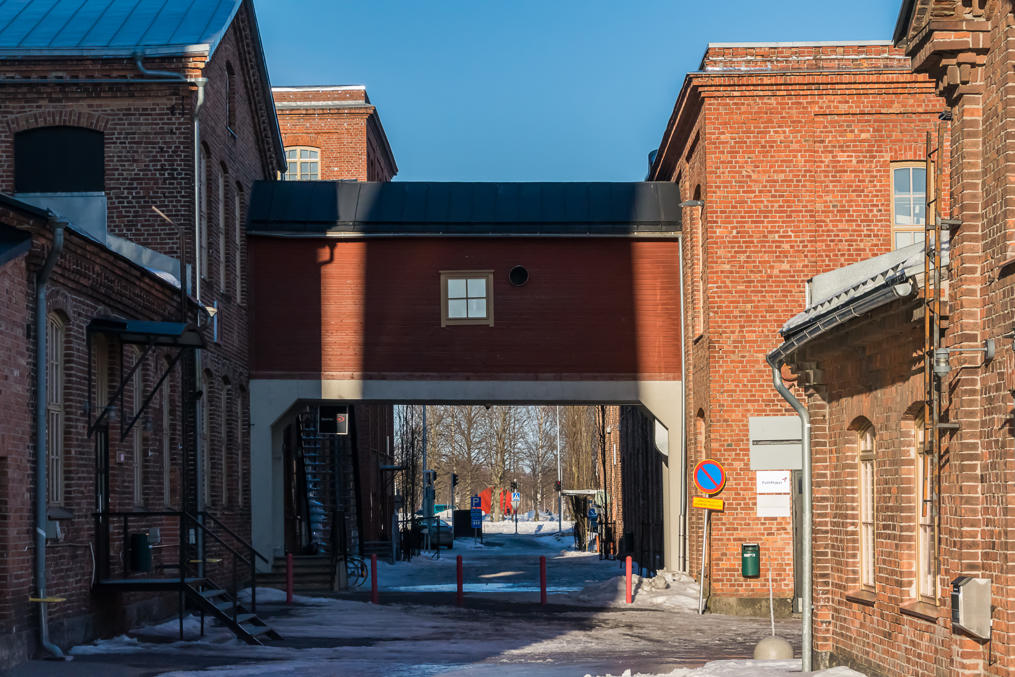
(144,332)
(443,208)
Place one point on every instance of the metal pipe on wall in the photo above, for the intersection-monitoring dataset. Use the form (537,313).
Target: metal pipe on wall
(808,517)
(682,518)
(41,446)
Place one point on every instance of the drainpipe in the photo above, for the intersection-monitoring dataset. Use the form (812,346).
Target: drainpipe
(808,518)
(682,525)
(41,448)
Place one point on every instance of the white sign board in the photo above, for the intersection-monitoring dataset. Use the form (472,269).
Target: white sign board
(516,499)
(773,505)
(773,482)
(776,442)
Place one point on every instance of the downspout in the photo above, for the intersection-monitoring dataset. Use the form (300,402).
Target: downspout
(41,448)
(805,422)
(682,524)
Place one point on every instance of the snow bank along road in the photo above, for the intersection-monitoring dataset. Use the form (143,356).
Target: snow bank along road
(502,630)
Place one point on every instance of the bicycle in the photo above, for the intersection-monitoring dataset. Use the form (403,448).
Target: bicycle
(356,571)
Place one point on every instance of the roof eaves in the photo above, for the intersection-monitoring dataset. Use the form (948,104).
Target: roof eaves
(902,23)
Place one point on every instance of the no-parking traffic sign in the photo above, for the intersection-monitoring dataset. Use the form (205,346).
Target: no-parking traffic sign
(709,476)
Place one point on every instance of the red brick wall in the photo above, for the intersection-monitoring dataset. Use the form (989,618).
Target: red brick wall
(603,308)
(870,371)
(149,160)
(347,132)
(794,171)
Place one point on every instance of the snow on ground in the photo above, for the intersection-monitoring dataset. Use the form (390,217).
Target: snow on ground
(502,631)
(741,668)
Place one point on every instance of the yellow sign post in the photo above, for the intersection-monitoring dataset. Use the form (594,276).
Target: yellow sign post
(707,503)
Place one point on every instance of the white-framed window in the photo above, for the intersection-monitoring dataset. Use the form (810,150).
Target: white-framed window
(222,228)
(239,447)
(866,446)
(909,203)
(56,332)
(304,163)
(224,443)
(137,447)
(167,441)
(205,403)
(466,297)
(202,224)
(238,240)
(926,578)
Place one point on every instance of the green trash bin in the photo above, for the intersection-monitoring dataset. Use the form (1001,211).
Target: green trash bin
(140,552)
(750,560)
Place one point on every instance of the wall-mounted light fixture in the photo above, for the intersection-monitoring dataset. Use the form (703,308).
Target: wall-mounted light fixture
(941,355)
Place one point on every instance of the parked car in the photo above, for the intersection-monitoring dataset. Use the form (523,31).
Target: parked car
(440,533)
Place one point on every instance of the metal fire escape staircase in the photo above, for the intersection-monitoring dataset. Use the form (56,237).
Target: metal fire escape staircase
(203,543)
(319,475)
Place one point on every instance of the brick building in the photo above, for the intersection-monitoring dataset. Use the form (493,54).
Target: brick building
(784,155)
(332,134)
(911,437)
(109,111)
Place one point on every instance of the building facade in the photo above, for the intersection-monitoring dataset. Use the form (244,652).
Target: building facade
(785,156)
(146,144)
(332,133)
(912,440)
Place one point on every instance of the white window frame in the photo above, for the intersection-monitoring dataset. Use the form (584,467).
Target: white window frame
(467,275)
(202,224)
(224,439)
(137,441)
(239,447)
(56,333)
(222,228)
(866,445)
(926,578)
(915,231)
(294,165)
(238,240)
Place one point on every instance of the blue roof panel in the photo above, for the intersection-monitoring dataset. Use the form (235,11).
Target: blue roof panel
(117,26)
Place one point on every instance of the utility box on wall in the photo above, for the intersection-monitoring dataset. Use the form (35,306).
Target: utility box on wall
(971,605)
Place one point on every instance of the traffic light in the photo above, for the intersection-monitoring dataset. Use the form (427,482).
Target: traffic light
(454,479)
(514,484)
(556,485)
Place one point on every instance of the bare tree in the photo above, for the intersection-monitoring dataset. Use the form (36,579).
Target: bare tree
(504,431)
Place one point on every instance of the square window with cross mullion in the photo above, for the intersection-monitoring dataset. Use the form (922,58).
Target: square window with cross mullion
(467,297)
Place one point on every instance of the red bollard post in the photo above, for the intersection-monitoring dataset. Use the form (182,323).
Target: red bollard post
(628,566)
(542,579)
(373,579)
(288,578)
(461,591)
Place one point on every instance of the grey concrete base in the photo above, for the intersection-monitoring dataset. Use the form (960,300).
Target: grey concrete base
(750,606)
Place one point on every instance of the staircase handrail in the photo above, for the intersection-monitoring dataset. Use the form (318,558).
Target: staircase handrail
(232,533)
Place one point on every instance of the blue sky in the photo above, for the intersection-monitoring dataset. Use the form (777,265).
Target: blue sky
(531,90)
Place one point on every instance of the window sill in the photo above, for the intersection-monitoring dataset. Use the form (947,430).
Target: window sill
(56,512)
(922,610)
(864,597)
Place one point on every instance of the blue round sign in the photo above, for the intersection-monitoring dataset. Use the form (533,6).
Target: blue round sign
(709,476)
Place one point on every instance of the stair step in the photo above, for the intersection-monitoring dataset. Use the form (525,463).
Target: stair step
(216,592)
(256,630)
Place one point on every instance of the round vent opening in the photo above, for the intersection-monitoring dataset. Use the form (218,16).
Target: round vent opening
(518,276)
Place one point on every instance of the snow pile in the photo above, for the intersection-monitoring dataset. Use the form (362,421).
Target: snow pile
(669,590)
(738,668)
(529,528)
(273,595)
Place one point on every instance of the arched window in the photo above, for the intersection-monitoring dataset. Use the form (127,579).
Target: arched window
(866,456)
(230,96)
(304,163)
(206,438)
(100,357)
(698,266)
(59,160)
(224,441)
(137,395)
(926,578)
(56,332)
(202,224)
(240,453)
(223,176)
(238,241)
(699,436)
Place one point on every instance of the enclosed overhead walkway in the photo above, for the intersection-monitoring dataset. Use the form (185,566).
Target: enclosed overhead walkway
(488,293)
